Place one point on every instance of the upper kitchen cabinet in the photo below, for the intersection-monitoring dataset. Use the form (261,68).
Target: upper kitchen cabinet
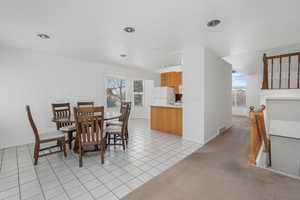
(163,79)
(179,78)
(171,79)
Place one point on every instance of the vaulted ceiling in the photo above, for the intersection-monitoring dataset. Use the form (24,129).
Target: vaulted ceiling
(92,30)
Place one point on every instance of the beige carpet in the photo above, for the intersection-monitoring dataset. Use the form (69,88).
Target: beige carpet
(219,171)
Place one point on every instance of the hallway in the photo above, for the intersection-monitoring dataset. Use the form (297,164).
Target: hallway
(219,171)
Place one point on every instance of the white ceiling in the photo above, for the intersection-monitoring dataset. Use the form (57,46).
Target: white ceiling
(252,62)
(92,29)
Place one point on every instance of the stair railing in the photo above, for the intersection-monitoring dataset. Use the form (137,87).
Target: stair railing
(258,136)
(269,60)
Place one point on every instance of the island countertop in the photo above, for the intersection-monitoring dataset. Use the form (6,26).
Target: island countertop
(167,105)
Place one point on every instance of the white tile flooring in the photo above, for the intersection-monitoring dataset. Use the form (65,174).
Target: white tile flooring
(58,178)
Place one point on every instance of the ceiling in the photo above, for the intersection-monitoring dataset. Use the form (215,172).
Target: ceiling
(92,30)
(252,62)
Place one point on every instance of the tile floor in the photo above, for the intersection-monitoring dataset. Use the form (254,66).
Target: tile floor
(58,178)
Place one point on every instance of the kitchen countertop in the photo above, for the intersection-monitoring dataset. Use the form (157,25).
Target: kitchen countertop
(167,105)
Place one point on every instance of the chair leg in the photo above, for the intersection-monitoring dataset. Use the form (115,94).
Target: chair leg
(60,145)
(70,138)
(102,150)
(109,139)
(126,136)
(106,138)
(123,142)
(36,153)
(80,156)
(64,147)
(115,139)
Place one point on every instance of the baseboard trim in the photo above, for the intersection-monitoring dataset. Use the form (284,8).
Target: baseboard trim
(211,138)
(283,173)
(216,134)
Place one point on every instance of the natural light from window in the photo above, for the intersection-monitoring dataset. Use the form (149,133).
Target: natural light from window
(115,91)
(238,90)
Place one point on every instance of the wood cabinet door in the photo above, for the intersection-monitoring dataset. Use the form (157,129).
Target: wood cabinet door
(179,78)
(171,79)
(168,79)
(167,120)
(173,121)
(163,79)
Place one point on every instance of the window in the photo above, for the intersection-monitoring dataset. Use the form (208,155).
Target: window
(138,90)
(238,90)
(239,97)
(115,91)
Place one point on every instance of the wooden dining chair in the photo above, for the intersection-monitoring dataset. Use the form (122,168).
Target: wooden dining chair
(118,132)
(123,108)
(90,130)
(85,104)
(55,136)
(63,110)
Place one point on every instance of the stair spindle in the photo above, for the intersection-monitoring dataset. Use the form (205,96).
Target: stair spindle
(298,71)
(280,73)
(272,74)
(289,81)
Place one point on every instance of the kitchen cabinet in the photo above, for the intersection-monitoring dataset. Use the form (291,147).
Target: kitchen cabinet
(163,79)
(171,79)
(167,119)
(179,78)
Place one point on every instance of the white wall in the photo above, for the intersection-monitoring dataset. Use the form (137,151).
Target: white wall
(253,85)
(39,80)
(207,94)
(217,94)
(193,90)
(283,116)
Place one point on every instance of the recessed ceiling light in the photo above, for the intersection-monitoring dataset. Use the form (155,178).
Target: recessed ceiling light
(129,29)
(43,36)
(213,23)
(123,55)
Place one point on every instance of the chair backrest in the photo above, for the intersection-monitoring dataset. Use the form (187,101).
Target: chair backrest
(32,124)
(61,110)
(124,106)
(125,116)
(85,104)
(89,127)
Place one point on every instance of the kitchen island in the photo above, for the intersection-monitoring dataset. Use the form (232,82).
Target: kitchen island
(167,118)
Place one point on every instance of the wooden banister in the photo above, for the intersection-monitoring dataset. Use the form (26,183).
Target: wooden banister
(255,141)
(265,84)
(282,76)
(258,135)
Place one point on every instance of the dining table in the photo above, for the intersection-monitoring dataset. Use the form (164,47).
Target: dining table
(71,119)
